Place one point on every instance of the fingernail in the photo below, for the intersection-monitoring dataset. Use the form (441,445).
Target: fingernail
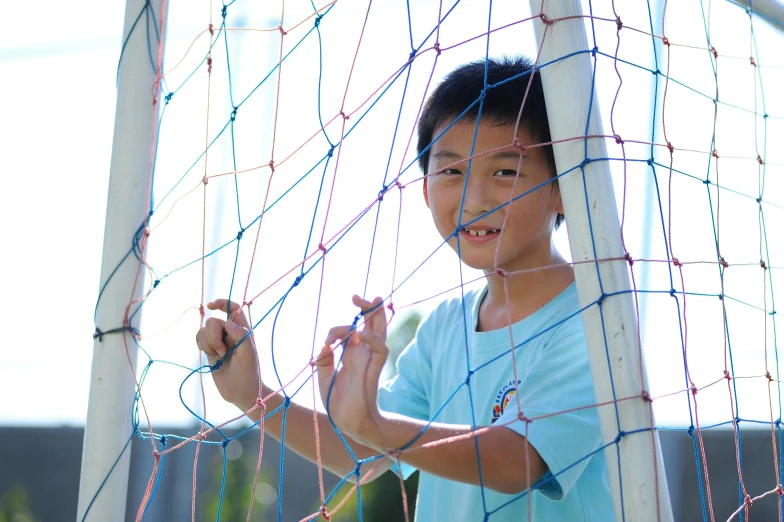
(230,323)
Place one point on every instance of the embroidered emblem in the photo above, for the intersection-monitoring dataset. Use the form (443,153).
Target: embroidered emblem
(505,394)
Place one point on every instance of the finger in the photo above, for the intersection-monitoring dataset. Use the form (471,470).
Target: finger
(214,335)
(224,305)
(375,315)
(201,342)
(236,332)
(326,357)
(365,305)
(376,344)
(379,318)
(361,302)
(338,332)
(325,366)
(230,307)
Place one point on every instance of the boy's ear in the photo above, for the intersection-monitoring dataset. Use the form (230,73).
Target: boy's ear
(557,195)
(424,192)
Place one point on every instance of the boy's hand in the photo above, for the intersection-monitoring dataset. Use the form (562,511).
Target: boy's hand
(351,402)
(237,379)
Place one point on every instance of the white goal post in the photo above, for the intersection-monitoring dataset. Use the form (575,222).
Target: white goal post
(567,87)
(770,9)
(108,428)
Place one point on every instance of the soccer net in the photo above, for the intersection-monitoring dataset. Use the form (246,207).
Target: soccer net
(284,176)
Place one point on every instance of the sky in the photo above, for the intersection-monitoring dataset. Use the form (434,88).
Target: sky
(57,103)
(56,141)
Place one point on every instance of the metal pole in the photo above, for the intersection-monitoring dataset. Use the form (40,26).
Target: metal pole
(610,326)
(109,426)
(773,10)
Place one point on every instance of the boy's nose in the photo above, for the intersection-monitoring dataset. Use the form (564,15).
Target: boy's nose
(477,198)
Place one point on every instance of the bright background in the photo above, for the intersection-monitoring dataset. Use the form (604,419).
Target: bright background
(57,106)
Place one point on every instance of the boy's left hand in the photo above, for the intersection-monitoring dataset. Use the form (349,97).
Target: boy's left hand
(351,402)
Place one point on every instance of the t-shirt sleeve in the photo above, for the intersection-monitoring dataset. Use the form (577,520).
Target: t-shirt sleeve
(407,392)
(558,381)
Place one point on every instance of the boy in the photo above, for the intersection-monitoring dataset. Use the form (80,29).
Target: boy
(458,371)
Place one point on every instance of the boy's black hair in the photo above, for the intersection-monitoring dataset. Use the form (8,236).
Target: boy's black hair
(501,104)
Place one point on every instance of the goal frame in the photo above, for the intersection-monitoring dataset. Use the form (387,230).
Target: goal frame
(632,448)
(106,451)
(615,359)
(772,10)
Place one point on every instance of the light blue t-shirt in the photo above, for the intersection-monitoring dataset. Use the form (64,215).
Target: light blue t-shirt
(553,375)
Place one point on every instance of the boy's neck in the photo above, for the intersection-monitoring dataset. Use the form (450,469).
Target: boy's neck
(529,289)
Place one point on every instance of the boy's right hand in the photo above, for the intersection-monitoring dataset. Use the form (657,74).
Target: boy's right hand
(237,379)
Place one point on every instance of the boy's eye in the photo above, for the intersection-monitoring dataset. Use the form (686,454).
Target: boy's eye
(454,172)
(506,173)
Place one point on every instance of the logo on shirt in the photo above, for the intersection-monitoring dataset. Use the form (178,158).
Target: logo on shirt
(505,394)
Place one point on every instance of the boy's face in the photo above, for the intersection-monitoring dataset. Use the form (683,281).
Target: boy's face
(492,182)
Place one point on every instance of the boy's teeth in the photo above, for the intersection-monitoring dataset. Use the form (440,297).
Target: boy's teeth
(479,233)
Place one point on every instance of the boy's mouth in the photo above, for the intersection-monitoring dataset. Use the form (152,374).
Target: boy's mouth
(479,236)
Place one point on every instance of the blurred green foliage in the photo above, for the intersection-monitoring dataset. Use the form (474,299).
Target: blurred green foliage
(238,489)
(403,332)
(382,500)
(15,505)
